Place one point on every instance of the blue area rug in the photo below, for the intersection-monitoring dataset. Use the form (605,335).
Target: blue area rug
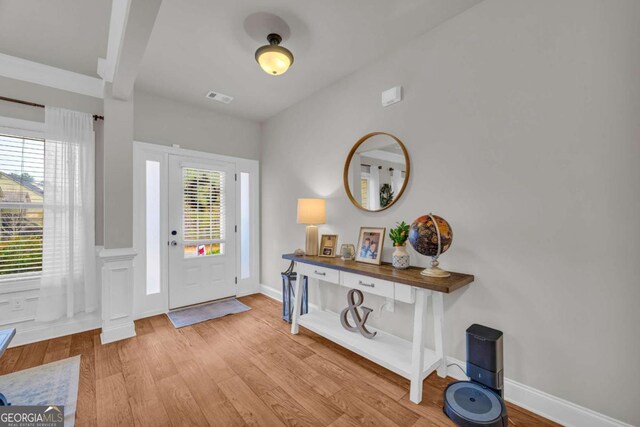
(53,384)
(204,312)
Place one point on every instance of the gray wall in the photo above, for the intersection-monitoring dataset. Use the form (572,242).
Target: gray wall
(147,118)
(158,120)
(118,171)
(42,95)
(162,121)
(521,120)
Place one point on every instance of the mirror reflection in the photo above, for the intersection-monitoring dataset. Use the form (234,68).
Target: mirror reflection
(376,171)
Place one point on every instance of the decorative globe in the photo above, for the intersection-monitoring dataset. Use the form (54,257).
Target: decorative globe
(423,235)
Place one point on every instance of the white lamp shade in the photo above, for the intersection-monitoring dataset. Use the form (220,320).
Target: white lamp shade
(312,211)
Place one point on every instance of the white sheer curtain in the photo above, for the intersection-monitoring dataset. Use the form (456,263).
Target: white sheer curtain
(68,256)
(396,181)
(374,188)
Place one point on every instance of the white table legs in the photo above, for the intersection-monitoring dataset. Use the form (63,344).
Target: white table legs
(418,344)
(417,355)
(297,304)
(320,295)
(417,351)
(438,329)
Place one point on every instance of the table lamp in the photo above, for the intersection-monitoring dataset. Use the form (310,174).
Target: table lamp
(312,212)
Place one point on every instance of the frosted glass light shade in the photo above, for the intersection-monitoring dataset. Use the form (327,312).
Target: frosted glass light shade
(274,59)
(312,211)
(274,62)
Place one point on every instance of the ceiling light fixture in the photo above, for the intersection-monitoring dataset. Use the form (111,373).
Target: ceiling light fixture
(274,59)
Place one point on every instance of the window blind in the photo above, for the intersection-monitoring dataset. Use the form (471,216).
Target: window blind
(21,199)
(364,192)
(204,206)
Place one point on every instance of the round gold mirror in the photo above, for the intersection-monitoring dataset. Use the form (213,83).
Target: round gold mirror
(376,171)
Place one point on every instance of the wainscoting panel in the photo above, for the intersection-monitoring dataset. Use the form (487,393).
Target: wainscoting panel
(19,305)
(116,276)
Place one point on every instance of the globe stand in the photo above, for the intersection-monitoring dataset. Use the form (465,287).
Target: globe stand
(434,270)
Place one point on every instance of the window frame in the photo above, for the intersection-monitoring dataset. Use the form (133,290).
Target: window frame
(32,130)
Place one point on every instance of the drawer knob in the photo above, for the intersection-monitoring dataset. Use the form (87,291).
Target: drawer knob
(369,285)
(319,273)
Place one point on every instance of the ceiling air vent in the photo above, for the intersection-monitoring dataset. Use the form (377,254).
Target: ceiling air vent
(220,97)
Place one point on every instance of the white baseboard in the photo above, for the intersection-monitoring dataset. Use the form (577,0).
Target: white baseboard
(544,404)
(46,331)
(117,332)
(150,313)
(529,398)
(271,292)
(249,292)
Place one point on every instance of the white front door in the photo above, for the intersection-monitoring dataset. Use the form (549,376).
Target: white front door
(202,253)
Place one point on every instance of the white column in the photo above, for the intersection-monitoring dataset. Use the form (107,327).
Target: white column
(374,188)
(116,277)
(355,177)
(116,259)
(396,181)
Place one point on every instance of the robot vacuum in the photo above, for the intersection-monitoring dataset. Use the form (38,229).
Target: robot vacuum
(479,402)
(470,404)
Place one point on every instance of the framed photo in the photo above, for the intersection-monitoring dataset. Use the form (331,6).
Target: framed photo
(347,251)
(328,245)
(370,244)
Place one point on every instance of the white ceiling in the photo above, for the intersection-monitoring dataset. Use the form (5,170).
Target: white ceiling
(201,45)
(67,34)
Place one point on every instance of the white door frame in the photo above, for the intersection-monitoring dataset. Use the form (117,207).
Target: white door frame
(246,286)
(148,305)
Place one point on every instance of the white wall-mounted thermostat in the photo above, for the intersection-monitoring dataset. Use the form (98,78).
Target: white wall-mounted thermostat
(391,96)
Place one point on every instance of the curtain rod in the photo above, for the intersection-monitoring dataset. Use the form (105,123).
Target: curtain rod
(33,104)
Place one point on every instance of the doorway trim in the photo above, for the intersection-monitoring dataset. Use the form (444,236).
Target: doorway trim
(145,307)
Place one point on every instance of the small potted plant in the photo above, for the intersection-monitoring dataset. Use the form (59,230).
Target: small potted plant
(399,235)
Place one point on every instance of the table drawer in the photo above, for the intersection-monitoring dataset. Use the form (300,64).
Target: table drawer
(321,273)
(368,284)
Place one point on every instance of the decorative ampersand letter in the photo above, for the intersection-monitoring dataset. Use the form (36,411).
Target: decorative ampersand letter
(353,309)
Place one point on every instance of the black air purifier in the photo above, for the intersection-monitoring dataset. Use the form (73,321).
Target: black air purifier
(479,402)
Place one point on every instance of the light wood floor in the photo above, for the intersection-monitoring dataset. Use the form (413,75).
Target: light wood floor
(244,369)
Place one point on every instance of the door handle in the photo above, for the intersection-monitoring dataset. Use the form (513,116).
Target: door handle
(319,273)
(369,285)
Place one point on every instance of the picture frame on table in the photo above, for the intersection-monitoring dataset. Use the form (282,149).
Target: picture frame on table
(328,245)
(370,244)
(347,251)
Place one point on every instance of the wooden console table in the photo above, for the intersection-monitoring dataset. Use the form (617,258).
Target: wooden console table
(411,360)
